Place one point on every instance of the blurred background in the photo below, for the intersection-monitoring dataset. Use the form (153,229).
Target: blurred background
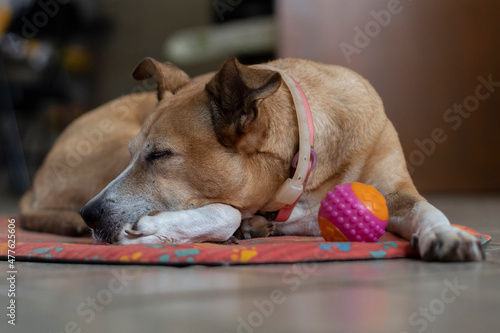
(435,64)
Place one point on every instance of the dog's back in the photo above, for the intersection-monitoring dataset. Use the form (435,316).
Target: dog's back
(89,153)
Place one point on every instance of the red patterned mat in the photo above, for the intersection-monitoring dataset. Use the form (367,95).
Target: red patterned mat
(33,246)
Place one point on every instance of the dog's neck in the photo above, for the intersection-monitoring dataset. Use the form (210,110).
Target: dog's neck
(304,161)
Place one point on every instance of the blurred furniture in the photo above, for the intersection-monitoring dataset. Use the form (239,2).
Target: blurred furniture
(428,61)
(47,58)
(10,139)
(251,36)
(245,29)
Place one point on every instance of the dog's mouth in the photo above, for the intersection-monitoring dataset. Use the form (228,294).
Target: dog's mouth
(101,240)
(103,237)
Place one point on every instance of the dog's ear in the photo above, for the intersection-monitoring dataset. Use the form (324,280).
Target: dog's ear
(168,77)
(235,92)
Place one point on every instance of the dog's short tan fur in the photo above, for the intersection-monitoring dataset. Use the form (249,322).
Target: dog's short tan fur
(230,138)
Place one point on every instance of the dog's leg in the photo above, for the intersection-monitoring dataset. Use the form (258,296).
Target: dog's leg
(210,223)
(411,216)
(430,231)
(56,221)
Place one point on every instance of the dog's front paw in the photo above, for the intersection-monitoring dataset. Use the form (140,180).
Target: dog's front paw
(447,243)
(144,231)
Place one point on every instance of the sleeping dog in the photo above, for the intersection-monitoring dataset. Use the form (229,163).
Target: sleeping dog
(237,145)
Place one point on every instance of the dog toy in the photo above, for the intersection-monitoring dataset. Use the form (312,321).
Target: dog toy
(353,212)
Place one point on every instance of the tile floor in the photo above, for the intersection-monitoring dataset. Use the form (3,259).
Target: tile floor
(360,296)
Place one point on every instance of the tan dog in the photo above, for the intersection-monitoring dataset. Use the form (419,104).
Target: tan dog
(225,143)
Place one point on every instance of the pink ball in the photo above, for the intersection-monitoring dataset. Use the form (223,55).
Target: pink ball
(353,212)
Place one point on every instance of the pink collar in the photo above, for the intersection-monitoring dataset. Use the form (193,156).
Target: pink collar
(304,161)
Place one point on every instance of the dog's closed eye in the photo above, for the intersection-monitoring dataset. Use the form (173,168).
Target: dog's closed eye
(159,154)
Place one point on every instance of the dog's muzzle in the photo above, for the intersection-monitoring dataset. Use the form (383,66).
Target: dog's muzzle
(91,214)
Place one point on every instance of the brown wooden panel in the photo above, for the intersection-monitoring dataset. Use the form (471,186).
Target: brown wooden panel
(427,59)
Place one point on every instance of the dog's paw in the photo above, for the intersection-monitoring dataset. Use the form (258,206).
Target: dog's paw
(145,231)
(232,240)
(128,239)
(447,244)
(255,227)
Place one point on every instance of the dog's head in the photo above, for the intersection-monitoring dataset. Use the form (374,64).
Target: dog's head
(208,140)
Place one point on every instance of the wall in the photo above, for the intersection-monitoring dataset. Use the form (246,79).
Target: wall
(428,61)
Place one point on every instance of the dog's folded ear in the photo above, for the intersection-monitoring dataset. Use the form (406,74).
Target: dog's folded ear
(168,76)
(235,92)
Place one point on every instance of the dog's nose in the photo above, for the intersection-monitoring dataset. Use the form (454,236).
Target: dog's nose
(91,214)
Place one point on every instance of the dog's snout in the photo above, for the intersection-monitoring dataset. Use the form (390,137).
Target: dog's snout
(91,214)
